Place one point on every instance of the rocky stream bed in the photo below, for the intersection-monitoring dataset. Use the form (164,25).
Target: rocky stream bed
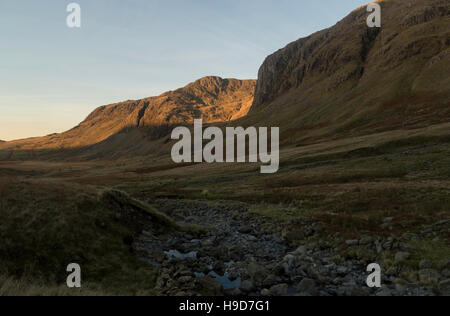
(245,254)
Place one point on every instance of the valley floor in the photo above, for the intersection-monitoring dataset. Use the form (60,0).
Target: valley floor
(312,228)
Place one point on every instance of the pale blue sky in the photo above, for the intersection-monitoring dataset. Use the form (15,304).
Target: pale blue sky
(52,77)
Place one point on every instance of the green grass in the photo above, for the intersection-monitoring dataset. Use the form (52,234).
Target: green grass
(22,287)
(46,226)
(279,212)
(432,250)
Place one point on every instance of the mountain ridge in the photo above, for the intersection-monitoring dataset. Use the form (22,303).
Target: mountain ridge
(350,79)
(211,98)
(344,81)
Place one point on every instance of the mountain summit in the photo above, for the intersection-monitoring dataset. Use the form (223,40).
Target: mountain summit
(212,99)
(351,79)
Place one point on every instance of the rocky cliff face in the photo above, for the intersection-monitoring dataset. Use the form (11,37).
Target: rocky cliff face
(211,98)
(344,76)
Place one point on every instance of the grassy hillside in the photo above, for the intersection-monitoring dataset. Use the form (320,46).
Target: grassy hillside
(55,213)
(351,80)
(47,224)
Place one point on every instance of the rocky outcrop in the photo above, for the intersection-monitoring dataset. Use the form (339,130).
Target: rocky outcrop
(247,255)
(339,54)
(350,76)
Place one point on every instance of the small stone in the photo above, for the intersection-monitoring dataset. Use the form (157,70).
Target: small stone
(279,290)
(402,256)
(257,272)
(295,235)
(245,229)
(445,273)
(359,291)
(410,237)
(444,264)
(444,287)
(352,243)
(391,271)
(265,292)
(384,292)
(209,284)
(289,259)
(247,286)
(307,286)
(185,279)
(385,226)
(426,264)
(300,251)
(388,245)
(366,240)
(429,276)
(271,280)
(342,270)
(233,292)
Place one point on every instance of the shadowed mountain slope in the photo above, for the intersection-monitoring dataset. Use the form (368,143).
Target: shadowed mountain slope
(350,79)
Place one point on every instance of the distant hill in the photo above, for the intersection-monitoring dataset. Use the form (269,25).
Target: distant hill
(350,79)
(211,98)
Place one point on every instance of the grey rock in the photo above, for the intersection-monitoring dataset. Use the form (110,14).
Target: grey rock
(384,292)
(411,237)
(359,291)
(391,271)
(429,276)
(233,292)
(366,240)
(245,229)
(295,235)
(210,285)
(444,264)
(342,270)
(445,273)
(265,292)
(352,243)
(426,264)
(388,245)
(185,279)
(257,272)
(444,287)
(386,226)
(271,280)
(289,259)
(307,286)
(402,256)
(300,251)
(247,286)
(279,290)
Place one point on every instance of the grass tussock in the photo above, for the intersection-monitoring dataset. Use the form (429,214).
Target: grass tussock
(46,226)
(124,200)
(431,250)
(22,287)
